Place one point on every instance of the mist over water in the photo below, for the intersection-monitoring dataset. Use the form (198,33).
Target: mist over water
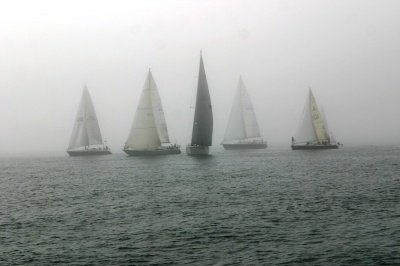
(346,51)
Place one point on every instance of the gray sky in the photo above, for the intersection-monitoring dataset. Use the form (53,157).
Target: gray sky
(347,51)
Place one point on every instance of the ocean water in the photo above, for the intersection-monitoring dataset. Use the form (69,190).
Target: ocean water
(262,207)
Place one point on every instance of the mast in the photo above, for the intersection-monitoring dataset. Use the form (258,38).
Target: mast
(203,119)
(86,129)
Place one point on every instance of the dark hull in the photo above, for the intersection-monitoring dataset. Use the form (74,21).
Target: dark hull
(314,147)
(244,146)
(152,152)
(89,152)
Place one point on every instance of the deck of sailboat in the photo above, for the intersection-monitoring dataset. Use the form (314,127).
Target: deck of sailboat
(315,147)
(244,146)
(90,152)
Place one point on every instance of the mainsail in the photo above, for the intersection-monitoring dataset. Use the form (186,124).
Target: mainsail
(312,126)
(242,121)
(86,130)
(203,119)
(149,128)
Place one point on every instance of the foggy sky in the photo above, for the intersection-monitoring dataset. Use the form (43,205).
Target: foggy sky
(347,51)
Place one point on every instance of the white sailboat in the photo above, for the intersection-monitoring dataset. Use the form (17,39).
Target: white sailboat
(86,136)
(149,133)
(243,131)
(313,133)
(203,117)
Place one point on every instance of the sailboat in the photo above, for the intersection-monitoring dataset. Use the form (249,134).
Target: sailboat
(242,131)
(86,137)
(313,133)
(149,133)
(203,117)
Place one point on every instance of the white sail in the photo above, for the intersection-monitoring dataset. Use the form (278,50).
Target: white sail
(305,132)
(149,128)
(86,130)
(242,121)
(312,126)
(249,117)
(235,129)
(158,111)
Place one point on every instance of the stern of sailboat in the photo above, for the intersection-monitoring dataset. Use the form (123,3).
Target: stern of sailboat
(196,150)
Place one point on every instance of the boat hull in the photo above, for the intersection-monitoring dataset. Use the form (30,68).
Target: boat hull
(197,150)
(315,147)
(155,152)
(88,152)
(244,146)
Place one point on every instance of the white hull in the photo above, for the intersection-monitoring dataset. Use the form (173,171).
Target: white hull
(88,152)
(197,150)
(158,151)
(239,146)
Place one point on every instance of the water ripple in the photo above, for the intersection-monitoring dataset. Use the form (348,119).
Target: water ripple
(272,207)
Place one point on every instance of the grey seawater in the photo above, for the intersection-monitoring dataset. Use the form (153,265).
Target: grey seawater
(262,207)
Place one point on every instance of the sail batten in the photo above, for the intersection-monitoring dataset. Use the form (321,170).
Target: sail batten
(203,119)
(86,131)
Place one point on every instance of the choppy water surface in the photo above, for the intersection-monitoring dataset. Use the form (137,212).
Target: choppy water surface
(268,207)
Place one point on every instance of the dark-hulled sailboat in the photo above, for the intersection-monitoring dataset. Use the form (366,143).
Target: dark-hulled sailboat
(203,117)
(313,133)
(86,136)
(149,133)
(242,131)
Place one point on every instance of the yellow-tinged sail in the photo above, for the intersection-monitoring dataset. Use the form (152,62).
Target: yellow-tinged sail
(318,122)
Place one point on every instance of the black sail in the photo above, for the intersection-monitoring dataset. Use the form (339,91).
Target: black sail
(203,119)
